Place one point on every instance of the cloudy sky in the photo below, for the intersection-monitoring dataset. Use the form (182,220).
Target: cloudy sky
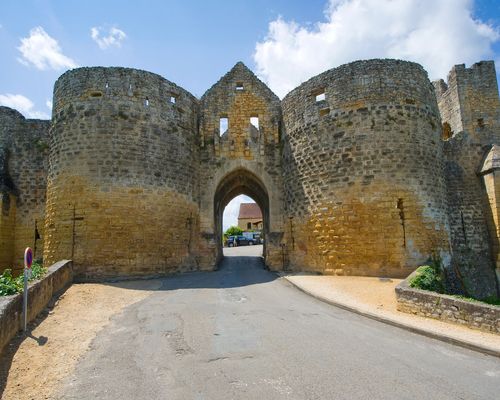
(193,43)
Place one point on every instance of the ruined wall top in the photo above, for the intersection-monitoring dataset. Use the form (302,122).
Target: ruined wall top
(132,85)
(361,83)
(469,100)
(239,116)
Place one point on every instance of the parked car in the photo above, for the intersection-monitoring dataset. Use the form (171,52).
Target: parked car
(240,241)
(230,241)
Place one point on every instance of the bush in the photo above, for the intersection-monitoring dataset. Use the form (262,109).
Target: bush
(10,285)
(233,231)
(428,277)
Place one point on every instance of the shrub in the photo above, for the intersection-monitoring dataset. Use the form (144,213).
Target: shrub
(10,285)
(233,231)
(428,277)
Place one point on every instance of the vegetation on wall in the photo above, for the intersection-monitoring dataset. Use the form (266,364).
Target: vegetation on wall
(431,277)
(428,277)
(10,285)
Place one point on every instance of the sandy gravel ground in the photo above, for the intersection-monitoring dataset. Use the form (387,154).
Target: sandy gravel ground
(32,366)
(377,296)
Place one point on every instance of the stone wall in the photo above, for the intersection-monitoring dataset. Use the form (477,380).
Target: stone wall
(349,170)
(363,171)
(472,314)
(122,195)
(469,102)
(23,175)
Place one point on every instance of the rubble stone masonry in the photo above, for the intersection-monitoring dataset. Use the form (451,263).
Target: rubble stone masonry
(365,169)
(364,185)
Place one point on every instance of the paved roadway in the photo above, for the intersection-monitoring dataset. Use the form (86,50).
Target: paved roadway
(241,333)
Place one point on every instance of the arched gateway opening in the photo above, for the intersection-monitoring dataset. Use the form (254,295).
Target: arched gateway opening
(240,181)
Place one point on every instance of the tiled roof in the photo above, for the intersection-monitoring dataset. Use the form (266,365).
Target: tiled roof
(249,211)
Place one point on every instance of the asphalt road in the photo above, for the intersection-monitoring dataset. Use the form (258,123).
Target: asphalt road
(242,333)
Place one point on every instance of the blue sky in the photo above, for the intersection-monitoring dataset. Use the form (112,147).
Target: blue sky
(193,43)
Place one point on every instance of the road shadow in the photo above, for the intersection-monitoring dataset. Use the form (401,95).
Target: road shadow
(232,271)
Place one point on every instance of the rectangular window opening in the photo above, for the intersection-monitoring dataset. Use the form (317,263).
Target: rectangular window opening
(321,96)
(172,99)
(239,86)
(255,122)
(249,225)
(223,125)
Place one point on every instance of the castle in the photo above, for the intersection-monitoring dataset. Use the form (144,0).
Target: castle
(365,169)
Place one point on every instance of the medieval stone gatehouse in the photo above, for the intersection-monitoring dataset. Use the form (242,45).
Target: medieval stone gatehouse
(365,169)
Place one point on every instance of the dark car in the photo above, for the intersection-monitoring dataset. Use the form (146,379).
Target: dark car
(240,241)
(230,241)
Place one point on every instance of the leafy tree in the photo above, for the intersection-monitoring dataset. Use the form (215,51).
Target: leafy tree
(233,231)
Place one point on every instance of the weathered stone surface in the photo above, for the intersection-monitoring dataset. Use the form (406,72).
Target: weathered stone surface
(350,170)
(363,169)
(23,180)
(469,102)
(474,315)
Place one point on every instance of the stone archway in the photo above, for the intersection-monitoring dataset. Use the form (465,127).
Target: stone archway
(239,181)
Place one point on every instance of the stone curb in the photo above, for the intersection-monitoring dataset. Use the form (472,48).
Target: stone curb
(433,335)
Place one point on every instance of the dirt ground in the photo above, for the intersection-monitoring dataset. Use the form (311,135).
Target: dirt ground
(32,366)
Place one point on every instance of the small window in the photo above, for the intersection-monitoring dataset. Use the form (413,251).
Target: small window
(249,225)
(239,86)
(223,125)
(255,122)
(146,102)
(172,99)
(320,96)
(480,122)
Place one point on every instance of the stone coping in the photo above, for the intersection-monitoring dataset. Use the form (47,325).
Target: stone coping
(474,315)
(58,278)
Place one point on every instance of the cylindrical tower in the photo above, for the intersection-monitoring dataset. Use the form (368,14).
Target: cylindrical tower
(122,186)
(363,171)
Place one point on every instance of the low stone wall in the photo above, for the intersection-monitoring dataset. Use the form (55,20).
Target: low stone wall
(474,315)
(58,278)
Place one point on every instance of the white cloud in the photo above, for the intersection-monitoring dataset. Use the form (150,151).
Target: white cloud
(115,37)
(48,103)
(23,105)
(435,33)
(230,216)
(42,51)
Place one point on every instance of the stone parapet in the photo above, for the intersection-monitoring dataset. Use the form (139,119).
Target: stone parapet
(472,314)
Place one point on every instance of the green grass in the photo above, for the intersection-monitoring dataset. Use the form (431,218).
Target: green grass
(10,285)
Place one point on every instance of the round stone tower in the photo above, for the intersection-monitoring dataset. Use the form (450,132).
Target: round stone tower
(363,171)
(122,185)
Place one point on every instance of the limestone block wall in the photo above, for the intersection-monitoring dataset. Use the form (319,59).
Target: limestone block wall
(245,159)
(122,195)
(23,174)
(474,93)
(363,171)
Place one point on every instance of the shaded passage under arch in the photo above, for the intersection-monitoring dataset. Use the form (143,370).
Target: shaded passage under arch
(240,181)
